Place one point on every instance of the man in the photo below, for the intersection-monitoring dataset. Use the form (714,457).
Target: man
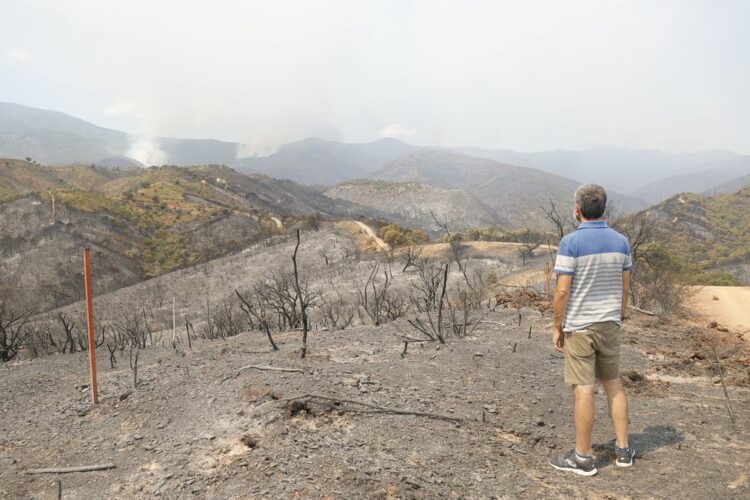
(593,280)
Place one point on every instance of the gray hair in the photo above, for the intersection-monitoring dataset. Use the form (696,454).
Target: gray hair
(592,200)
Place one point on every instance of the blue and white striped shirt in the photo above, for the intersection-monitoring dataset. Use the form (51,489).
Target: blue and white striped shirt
(596,256)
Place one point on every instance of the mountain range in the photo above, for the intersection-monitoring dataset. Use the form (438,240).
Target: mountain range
(54,138)
(648,175)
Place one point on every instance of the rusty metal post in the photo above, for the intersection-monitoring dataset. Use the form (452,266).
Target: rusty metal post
(547,275)
(90,324)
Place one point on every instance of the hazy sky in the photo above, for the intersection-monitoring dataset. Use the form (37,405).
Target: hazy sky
(524,75)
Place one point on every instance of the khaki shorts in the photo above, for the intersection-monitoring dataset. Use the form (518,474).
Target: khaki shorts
(592,353)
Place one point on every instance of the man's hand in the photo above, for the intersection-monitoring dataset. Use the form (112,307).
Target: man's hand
(558,339)
(562,290)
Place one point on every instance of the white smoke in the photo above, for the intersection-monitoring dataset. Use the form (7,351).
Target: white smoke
(256,148)
(398,131)
(147,151)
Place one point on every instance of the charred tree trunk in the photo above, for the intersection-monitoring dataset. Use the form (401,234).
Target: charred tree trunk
(301,298)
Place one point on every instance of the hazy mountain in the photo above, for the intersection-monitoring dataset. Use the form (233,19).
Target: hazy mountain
(317,161)
(731,186)
(54,138)
(514,193)
(414,203)
(629,171)
(697,182)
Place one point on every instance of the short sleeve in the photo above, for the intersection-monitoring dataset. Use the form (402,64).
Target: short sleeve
(566,258)
(628,264)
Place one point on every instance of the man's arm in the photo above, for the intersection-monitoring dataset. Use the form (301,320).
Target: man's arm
(559,306)
(625,293)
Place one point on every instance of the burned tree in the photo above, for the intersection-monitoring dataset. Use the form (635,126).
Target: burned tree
(428,300)
(128,327)
(337,313)
(303,299)
(12,331)
(378,300)
(256,314)
(528,243)
(562,222)
(411,256)
(69,327)
(38,339)
(278,294)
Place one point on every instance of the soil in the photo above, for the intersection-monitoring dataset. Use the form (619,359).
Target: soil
(193,427)
(369,231)
(727,305)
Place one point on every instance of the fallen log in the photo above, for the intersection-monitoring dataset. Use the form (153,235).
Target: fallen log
(642,311)
(382,409)
(66,470)
(268,368)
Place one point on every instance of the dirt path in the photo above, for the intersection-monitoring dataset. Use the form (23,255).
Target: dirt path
(278,222)
(727,305)
(368,230)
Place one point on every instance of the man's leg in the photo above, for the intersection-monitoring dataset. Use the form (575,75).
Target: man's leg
(618,409)
(579,372)
(583,412)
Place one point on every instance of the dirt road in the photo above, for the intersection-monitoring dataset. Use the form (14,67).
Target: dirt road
(367,229)
(727,305)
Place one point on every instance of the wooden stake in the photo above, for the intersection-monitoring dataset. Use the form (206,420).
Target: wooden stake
(90,324)
(173,321)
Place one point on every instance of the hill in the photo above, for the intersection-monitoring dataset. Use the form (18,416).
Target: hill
(516,193)
(143,222)
(658,174)
(709,181)
(54,138)
(317,161)
(414,203)
(729,186)
(712,233)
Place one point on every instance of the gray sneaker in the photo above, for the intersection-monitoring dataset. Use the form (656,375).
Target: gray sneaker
(624,456)
(570,461)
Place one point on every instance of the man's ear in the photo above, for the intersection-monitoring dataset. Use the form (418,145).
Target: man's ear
(577,212)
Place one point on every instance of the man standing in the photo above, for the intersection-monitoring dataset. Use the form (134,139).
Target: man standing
(593,280)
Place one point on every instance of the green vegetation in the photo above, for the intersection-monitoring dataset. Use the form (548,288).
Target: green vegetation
(162,204)
(397,236)
(164,252)
(6,197)
(707,233)
(491,234)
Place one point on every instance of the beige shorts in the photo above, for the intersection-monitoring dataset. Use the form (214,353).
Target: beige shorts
(592,353)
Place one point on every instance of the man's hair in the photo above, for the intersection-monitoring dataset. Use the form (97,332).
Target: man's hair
(592,199)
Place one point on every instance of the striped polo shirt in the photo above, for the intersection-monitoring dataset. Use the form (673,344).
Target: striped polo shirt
(596,256)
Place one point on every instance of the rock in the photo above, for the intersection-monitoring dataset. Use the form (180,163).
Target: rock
(249,441)
(632,375)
